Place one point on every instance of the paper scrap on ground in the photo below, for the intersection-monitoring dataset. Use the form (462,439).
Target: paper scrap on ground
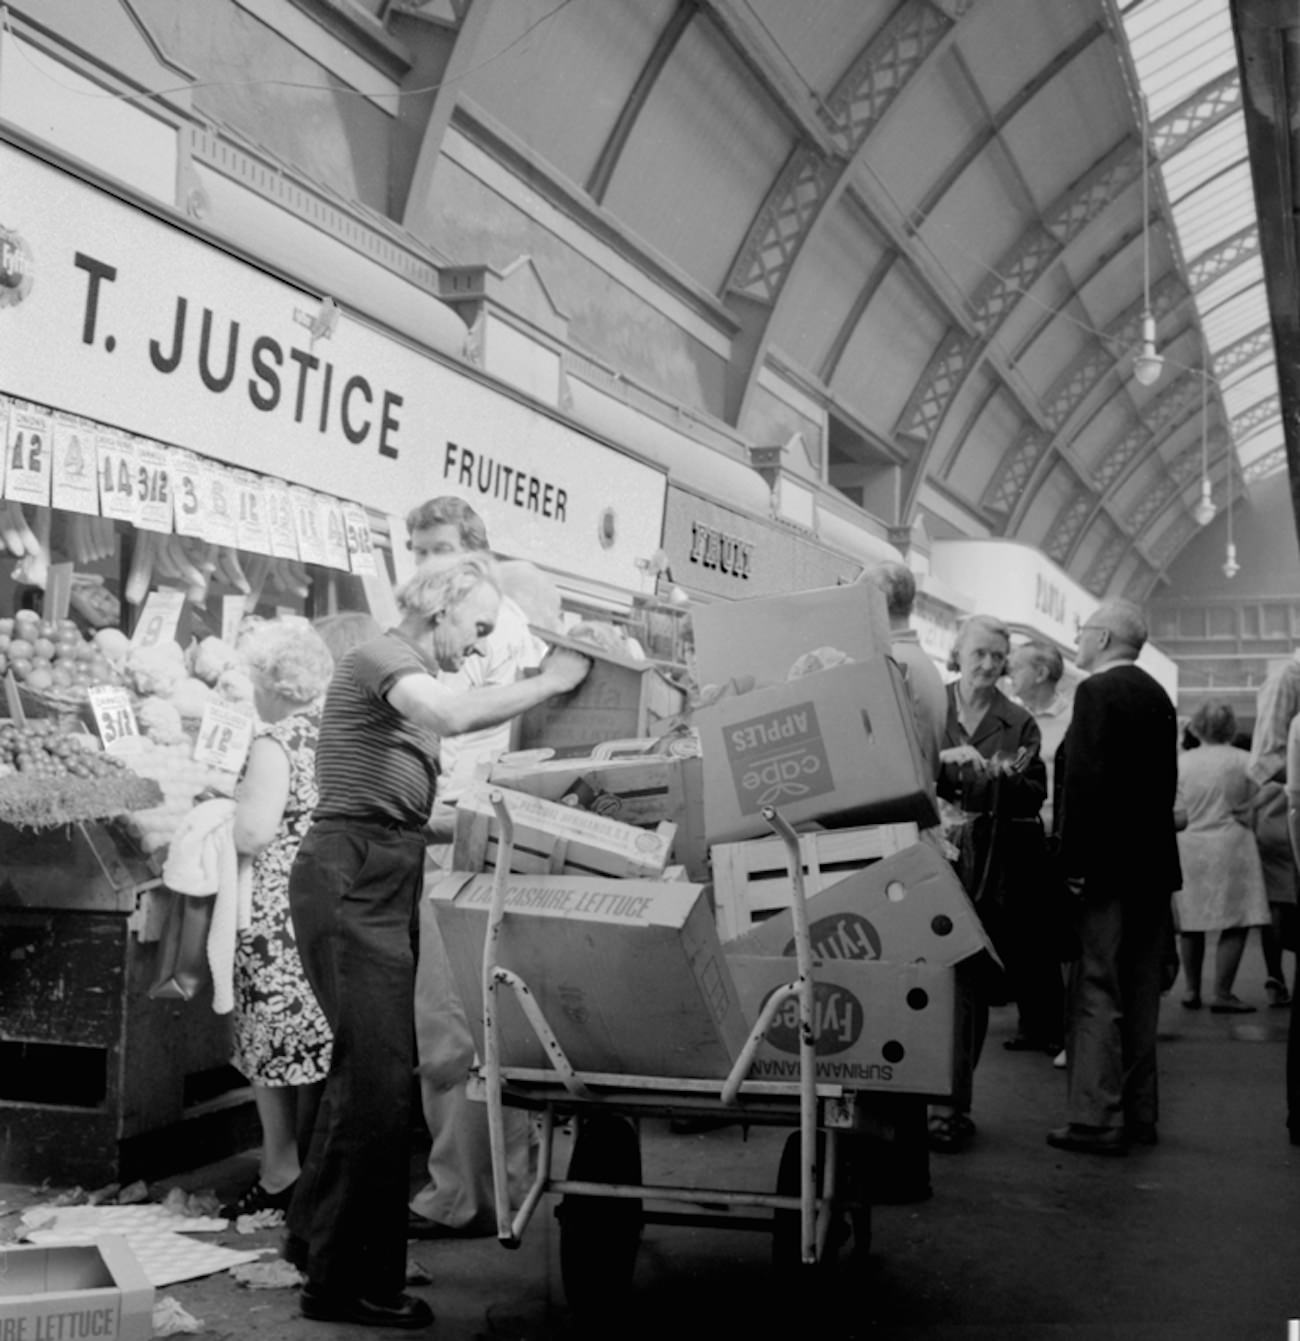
(170,1319)
(274,1275)
(165,1256)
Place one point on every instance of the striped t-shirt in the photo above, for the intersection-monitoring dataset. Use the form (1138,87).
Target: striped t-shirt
(372,763)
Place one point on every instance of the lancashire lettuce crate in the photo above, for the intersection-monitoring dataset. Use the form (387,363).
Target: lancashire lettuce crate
(51,1292)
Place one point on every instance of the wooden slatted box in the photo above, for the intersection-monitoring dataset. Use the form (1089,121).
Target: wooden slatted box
(751,880)
(555,839)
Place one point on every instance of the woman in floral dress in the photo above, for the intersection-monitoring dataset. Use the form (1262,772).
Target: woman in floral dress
(282,1041)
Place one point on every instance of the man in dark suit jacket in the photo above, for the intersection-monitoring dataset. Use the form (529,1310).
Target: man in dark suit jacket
(1120,860)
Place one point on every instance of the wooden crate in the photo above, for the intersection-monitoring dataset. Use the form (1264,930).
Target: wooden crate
(620,698)
(752,880)
(644,789)
(552,838)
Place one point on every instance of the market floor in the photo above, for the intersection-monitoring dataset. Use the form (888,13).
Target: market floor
(1195,1238)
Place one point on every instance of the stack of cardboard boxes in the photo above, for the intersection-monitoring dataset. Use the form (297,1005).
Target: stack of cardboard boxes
(614,926)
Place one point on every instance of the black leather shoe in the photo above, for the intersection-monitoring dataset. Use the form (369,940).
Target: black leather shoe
(1089,1140)
(403,1311)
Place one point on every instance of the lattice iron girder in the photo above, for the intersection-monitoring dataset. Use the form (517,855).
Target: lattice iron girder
(782,225)
(1183,467)
(882,70)
(1223,257)
(1093,194)
(1173,403)
(1259,414)
(1264,465)
(1098,359)
(1210,104)
(938,384)
(1014,274)
(1149,504)
(1017,465)
(1103,567)
(1170,543)
(1060,538)
(1140,582)
(1249,347)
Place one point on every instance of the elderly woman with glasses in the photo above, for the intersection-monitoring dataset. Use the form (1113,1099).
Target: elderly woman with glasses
(991,769)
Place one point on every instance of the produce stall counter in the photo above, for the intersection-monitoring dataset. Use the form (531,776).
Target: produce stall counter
(99,1083)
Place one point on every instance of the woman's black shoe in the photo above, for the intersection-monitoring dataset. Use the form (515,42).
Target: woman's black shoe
(256,1198)
(404,1310)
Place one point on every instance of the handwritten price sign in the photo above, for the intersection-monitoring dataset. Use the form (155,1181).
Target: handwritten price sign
(160,617)
(114,718)
(225,735)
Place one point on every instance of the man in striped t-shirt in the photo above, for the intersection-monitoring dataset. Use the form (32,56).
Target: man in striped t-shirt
(354,892)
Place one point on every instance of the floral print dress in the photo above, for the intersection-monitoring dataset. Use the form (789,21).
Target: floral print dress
(281,1036)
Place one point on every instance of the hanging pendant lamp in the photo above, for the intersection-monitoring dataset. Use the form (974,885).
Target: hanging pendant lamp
(1147,364)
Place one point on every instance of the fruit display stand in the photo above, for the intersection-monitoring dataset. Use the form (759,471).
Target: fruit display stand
(98,1083)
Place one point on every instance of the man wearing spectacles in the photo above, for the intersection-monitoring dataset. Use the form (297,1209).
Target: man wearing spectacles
(1120,860)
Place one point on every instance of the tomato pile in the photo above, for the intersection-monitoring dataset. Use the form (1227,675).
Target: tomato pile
(42,749)
(53,656)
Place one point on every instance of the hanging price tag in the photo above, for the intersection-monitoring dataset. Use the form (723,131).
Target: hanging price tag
(361,544)
(187,490)
(309,523)
(252,526)
(74,479)
(225,735)
(114,718)
(336,535)
(232,616)
(116,464)
(27,456)
(218,504)
(279,519)
(160,617)
(153,486)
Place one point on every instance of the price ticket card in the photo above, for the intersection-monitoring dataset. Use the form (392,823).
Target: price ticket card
(309,522)
(279,519)
(233,609)
(336,535)
(160,617)
(220,504)
(186,474)
(225,735)
(114,718)
(361,544)
(116,456)
(75,477)
(253,528)
(27,456)
(153,485)
(5,406)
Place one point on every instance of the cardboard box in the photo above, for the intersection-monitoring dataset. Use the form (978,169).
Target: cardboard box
(49,1292)
(890,1027)
(838,746)
(629,973)
(751,881)
(903,909)
(554,838)
(644,789)
(765,635)
(621,699)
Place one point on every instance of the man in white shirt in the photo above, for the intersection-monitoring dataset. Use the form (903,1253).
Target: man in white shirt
(458,1199)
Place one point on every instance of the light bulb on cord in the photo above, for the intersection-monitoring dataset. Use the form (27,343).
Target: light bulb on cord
(1147,364)
(1230,565)
(1204,510)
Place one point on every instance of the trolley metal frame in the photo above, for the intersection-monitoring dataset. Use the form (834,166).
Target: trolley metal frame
(564,1091)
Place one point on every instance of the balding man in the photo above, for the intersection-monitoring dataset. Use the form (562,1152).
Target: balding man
(1120,860)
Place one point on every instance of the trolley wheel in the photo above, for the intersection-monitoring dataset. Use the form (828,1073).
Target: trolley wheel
(599,1236)
(851,1220)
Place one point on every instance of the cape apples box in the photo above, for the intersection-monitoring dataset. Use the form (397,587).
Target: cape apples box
(763,636)
(77,1289)
(902,909)
(838,746)
(892,1027)
(629,974)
